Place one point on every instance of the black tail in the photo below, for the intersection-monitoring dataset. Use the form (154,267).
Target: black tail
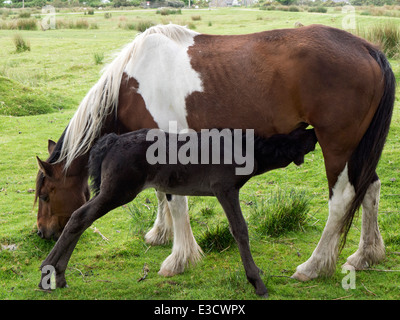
(97,155)
(364,160)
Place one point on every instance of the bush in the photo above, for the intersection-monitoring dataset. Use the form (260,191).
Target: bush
(318,9)
(196,18)
(294,9)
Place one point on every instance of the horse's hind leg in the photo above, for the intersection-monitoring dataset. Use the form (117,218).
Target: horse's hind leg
(161,233)
(185,249)
(229,200)
(323,259)
(371,248)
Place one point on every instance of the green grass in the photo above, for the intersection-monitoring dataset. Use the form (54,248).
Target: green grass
(19,100)
(280,212)
(58,72)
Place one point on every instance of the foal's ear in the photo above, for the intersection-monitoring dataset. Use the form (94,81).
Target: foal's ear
(50,146)
(45,167)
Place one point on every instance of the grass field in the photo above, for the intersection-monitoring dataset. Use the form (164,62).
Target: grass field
(56,74)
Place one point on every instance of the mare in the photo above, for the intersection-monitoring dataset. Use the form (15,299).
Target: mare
(120,169)
(272,82)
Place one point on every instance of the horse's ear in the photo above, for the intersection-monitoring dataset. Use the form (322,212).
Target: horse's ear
(45,167)
(51,145)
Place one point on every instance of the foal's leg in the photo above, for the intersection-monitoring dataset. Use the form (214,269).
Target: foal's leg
(80,220)
(371,248)
(161,233)
(185,249)
(323,259)
(229,200)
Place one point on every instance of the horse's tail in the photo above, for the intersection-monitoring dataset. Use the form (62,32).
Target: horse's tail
(97,155)
(364,160)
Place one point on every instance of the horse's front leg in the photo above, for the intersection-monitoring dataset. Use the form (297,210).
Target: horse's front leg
(185,249)
(162,230)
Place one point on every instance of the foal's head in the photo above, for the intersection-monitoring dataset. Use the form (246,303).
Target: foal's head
(59,193)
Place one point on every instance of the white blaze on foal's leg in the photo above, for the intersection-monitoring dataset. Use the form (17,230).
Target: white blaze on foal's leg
(185,249)
(323,259)
(371,248)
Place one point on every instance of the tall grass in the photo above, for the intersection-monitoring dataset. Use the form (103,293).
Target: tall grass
(72,24)
(216,237)
(386,35)
(19,24)
(21,45)
(168,11)
(142,216)
(282,212)
(140,25)
(98,57)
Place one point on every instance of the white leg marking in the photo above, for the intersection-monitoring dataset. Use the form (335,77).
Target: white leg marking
(323,259)
(185,249)
(162,230)
(371,249)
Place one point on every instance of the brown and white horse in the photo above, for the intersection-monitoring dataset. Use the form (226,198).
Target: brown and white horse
(272,82)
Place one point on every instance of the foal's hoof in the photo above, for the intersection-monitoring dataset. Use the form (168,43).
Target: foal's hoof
(301,277)
(262,293)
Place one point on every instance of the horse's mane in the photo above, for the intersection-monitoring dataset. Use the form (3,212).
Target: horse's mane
(102,99)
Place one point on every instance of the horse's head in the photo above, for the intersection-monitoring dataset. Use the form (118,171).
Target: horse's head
(59,193)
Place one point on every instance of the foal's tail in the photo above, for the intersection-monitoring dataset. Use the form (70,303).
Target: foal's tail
(365,158)
(97,155)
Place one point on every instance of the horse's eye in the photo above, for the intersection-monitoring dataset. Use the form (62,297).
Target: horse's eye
(44,197)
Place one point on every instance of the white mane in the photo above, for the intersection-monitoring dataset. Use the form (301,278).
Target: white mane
(102,99)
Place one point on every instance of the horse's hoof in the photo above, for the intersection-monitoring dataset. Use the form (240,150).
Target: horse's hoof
(350,267)
(156,238)
(166,273)
(301,277)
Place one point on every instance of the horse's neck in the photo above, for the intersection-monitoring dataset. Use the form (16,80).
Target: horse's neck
(79,167)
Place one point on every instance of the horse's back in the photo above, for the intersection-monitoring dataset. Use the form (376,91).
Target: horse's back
(285,77)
